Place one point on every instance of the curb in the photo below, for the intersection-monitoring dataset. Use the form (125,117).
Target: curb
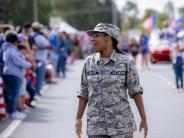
(6,133)
(2,104)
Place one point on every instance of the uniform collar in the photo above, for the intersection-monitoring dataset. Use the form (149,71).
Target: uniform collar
(112,57)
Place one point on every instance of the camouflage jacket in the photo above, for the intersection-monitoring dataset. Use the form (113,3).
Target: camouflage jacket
(105,85)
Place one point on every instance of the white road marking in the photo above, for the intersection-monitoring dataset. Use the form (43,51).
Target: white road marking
(163,79)
(11,128)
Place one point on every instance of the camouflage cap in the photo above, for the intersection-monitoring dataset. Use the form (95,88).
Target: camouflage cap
(109,29)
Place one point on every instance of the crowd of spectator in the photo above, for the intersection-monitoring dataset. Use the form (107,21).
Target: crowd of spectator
(31,55)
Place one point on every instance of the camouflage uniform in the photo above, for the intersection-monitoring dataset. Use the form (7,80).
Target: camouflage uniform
(104,83)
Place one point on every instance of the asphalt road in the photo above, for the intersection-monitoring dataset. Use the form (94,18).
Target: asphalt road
(54,115)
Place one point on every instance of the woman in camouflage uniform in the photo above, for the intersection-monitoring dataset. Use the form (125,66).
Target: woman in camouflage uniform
(106,78)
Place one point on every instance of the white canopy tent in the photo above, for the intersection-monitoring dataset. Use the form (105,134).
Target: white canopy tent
(64,26)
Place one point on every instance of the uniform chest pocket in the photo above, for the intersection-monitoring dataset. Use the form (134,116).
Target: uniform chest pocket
(118,76)
(92,76)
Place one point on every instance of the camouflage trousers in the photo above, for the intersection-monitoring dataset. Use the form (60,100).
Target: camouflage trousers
(119,136)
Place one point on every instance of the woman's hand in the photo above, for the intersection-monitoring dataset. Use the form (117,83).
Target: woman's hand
(78,127)
(143,125)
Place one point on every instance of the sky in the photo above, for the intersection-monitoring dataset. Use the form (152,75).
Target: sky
(154,4)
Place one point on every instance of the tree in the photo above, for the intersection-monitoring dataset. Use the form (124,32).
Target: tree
(161,17)
(130,9)
(129,15)
(169,10)
(83,14)
(181,12)
(148,13)
(21,11)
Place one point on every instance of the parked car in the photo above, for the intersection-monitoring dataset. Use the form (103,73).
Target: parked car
(160,45)
(161,52)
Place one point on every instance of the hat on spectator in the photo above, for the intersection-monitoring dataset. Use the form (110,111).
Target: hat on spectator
(109,29)
(37,25)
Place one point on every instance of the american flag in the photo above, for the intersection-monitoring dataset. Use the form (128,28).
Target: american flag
(150,22)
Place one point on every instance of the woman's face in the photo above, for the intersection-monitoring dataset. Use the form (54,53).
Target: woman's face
(99,41)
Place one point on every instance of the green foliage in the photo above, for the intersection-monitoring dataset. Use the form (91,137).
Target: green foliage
(130,23)
(129,16)
(130,20)
(45,10)
(84,14)
(130,9)
(161,18)
(181,11)
(21,11)
(15,11)
(148,13)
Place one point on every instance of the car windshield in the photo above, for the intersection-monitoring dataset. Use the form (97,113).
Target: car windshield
(164,42)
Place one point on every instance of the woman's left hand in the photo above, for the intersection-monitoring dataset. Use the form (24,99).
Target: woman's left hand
(78,127)
(143,125)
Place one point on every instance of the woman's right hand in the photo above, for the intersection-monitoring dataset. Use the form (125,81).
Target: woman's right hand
(78,127)
(143,125)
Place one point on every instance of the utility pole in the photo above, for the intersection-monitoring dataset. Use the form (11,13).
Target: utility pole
(35,10)
(2,5)
(114,13)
